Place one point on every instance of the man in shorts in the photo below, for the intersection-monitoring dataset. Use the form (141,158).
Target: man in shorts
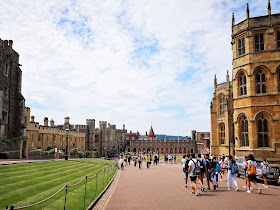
(185,169)
(209,170)
(201,176)
(193,177)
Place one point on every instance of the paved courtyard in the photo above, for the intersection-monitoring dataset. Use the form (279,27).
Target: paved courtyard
(162,187)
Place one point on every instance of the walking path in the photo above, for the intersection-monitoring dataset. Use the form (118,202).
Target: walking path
(162,187)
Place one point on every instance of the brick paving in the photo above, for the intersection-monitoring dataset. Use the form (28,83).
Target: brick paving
(102,203)
(162,187)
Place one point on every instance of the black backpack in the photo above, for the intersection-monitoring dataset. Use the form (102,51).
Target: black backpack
(202,167)
(186,168)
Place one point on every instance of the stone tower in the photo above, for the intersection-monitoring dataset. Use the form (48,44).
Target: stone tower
(256,85)
(90,135)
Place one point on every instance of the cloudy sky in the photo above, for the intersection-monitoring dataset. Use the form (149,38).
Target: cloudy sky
(134,62)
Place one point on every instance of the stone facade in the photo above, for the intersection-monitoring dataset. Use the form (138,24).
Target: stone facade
(255,89)
(49,135)
(149,143)
(202,140)
(12,102)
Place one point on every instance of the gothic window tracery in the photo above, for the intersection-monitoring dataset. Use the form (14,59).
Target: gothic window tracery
(222,105)
(243,84)
(263,138)
(222,133)
(260,82)
(244,132)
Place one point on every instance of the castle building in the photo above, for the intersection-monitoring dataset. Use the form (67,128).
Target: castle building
(149,143)
(12,102)
(251,110)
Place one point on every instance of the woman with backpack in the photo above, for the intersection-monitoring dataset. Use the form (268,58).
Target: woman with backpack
(215,174)
(232,169)
(223,168)
(265,171)
(251,173)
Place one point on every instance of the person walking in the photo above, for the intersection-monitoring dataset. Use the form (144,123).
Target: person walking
(209,170)
(185,167)
(148,159)
(194,164)
(175,158)
(129,159)
(231,174)
(165,158)
(202,170)
(215,174)
(251,173)
(223,168)
(135,161)
(139,159)
(265,171)
(121,163)
(245,167)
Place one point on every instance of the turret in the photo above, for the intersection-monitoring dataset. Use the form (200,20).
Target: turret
(227,79)
(32,119)
(268,8)
(248,12)
(215,82)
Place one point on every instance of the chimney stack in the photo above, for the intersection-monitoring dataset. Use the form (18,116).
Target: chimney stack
(11,44)
(46,121)
(32,119)
(52,123)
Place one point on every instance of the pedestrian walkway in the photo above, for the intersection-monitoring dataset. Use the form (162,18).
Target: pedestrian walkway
(162,187)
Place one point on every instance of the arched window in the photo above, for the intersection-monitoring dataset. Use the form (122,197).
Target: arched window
(222,133)
(260,82)
(222,105)
(243,84)
(263,132)
(244,132)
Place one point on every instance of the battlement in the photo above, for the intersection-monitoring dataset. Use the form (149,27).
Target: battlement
(103,122)
(90,120)
(6,46)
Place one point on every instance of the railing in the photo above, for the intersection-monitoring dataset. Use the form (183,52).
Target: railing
(109,176)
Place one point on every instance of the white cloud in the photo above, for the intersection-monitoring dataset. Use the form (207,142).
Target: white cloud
(132,62)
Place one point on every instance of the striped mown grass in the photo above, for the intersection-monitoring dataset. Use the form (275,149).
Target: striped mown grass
(24,184)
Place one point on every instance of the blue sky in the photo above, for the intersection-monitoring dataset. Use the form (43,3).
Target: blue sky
(131,62)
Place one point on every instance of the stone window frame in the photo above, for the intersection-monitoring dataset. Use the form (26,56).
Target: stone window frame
(241,46)
(261,82)
(278,39)
(222,133)
(5,116)
(242,84)
(222,105)
(6,68)
(244,131)
(259,42)
(263,131)
(6,92)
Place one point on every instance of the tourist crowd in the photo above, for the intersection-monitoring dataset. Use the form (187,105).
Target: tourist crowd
(202,166)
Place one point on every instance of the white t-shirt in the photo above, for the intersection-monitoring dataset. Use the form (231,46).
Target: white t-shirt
(252,163)
(183,162)
(121,161)
(191,163)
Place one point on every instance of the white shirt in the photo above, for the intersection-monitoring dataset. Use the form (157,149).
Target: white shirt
(252,163)
(191,163)
(183,162)
(121,161)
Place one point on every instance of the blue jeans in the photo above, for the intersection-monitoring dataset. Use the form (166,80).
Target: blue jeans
(213,177)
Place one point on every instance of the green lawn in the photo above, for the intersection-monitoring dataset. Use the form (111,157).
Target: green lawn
(24,184)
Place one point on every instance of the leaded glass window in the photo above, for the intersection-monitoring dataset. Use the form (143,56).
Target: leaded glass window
(263,138)
(259,42)
(241,46)
(222,133)
(260,82)
(222,105)
(243,84)
(244,132)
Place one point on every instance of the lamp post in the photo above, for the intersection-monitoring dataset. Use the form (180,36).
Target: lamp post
(66,151)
